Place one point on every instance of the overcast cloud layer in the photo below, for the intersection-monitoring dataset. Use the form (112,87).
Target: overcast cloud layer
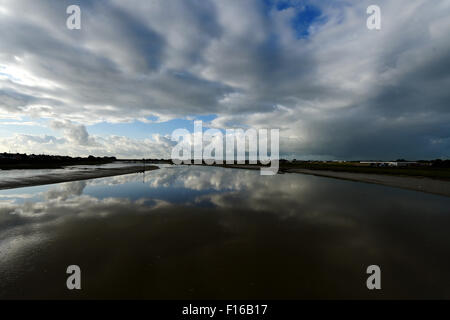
(310,68)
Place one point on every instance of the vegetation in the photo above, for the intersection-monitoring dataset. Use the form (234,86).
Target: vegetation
(24,161)
(437,169)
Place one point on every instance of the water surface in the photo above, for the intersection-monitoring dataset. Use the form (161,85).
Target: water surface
(201,232)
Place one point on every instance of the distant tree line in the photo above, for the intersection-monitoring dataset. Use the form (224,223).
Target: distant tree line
(42,160)
(438,163)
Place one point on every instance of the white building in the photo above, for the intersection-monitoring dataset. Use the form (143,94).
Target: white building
(389,163)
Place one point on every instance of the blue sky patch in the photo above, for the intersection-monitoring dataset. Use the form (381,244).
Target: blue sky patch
(142,130)
(306,14)
(304,19)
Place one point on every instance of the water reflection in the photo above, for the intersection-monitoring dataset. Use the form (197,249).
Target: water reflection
(198,232)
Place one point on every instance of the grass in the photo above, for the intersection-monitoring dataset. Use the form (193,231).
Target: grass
(416,171)
(47,165)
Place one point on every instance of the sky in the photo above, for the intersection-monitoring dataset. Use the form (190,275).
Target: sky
(137,70)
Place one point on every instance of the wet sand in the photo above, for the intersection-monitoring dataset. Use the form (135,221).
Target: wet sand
(439,187)
(52,178)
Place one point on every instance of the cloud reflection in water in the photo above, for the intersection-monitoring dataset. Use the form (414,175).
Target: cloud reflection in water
(197,232)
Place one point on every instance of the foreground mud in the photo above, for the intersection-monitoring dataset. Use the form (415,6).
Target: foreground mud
(52,178)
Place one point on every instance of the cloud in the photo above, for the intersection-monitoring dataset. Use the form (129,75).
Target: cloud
(335,88)
(74,133)
(122,147)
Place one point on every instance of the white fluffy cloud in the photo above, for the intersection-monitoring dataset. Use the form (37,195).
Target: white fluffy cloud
(122,147)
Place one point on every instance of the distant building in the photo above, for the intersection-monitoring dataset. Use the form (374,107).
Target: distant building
(389,163)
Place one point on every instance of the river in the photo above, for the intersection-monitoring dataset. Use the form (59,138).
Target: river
(211,233)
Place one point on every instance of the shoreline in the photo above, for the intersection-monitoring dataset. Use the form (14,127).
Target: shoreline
(422,184)
(46,179)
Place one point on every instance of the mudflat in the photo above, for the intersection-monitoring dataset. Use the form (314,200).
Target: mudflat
(428,185)
(76,175)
